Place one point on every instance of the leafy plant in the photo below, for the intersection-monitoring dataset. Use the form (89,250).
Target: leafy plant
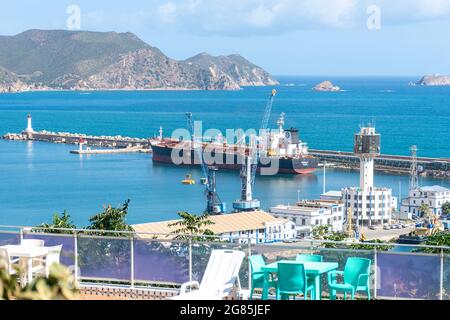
(106,253)
(59,285)
(112,219)
(441,239)
(192,226)
(60,221)
(319,232)
(423,209)
(365,246)
(446,208)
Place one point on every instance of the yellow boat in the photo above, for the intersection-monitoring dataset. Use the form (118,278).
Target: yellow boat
(188,180)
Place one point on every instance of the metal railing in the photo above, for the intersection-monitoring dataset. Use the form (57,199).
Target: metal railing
(159,261)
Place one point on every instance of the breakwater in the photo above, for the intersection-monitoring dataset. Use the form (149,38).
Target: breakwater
(429,167)
(75,138)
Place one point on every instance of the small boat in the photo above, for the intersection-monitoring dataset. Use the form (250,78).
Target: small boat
(188,180)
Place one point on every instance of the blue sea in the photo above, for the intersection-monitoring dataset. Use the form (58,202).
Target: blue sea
(39,179)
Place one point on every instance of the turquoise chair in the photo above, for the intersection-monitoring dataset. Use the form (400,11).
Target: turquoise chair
(292,280)
(308,258)
(256,264)
(356,277)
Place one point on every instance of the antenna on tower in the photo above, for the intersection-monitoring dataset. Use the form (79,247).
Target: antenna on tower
(413,173)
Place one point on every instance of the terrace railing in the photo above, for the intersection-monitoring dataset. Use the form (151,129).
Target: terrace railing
(160,261)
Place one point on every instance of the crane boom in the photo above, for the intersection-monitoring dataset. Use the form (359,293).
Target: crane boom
(254,149)
(213,203)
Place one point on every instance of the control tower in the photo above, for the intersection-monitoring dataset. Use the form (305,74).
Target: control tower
(366,147)
(367,204)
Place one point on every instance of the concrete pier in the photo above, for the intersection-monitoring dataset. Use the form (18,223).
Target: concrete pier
(111,151)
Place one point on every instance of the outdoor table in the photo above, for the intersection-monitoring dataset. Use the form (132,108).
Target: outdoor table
(313,270)
(28,253)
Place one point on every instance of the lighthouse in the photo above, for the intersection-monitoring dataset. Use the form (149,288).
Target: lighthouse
(29,128)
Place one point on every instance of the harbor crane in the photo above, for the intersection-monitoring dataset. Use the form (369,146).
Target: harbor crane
(250,164)
(213,203)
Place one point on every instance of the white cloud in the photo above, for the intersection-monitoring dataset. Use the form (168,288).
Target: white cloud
(260,17)
(167,12)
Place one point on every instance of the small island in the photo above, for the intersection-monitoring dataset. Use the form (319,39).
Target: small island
(326,86)
(432,80)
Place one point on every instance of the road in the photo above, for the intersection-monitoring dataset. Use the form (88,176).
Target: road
(385,234)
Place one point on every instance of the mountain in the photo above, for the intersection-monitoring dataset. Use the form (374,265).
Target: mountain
(237,68)
(83,60)
(433,80)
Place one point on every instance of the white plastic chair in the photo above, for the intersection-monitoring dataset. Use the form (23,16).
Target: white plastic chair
(52,257)
(220,278)
(6,261)
(32,243)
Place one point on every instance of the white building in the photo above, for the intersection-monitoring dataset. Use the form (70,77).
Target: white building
(369,205)
(256,226)
(311,213)
(433,196)
(334,195)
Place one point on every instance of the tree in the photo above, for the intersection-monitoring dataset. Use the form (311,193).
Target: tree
(423,209)
(440,239)
(192,226)
(60,221)
(446,208)
(319,232)
(111,219)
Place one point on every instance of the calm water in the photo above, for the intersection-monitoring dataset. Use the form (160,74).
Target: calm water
(39,179)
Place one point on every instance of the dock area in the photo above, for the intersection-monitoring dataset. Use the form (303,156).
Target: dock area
(431,167)
(393,164)
(75,138)
(110,151)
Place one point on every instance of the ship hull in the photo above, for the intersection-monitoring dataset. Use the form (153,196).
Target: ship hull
(298,165)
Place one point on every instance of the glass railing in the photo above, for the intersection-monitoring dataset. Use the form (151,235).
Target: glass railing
(397,271)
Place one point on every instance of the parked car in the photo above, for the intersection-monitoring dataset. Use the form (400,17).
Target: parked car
(386,227)
(373,227)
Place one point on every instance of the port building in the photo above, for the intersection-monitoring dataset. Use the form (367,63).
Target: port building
(255,226)
(433,196)
(368,204)
(309,214)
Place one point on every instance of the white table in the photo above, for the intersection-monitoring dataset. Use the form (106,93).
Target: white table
(28,253)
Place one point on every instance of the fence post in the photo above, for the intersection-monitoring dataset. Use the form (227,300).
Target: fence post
(75,249)
(249,266)
(441,278)
(21,234)
(132,259)
(375,273)
(190,259)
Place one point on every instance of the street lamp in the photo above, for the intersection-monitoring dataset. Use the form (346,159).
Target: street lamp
(324,181)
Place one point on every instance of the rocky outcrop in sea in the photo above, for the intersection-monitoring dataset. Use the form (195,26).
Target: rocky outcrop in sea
(432,80)
(326,86)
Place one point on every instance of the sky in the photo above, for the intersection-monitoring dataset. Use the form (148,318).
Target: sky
(286,37)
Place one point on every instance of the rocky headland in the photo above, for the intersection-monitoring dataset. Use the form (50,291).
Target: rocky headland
(81,60)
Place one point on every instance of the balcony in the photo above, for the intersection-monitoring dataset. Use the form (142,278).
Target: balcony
(141,266)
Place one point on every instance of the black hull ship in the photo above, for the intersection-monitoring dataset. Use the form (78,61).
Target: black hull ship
(286,153)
